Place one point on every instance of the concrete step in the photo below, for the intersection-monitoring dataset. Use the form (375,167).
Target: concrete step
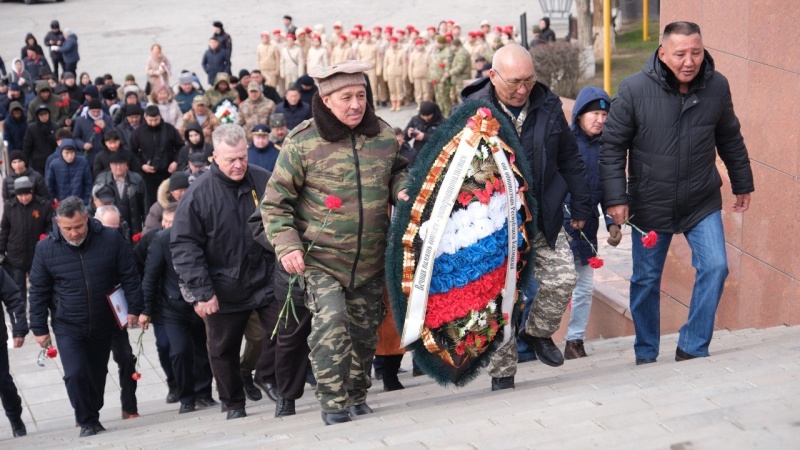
(747,393)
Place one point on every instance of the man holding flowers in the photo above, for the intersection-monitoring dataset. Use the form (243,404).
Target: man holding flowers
(345,153)
(667,125)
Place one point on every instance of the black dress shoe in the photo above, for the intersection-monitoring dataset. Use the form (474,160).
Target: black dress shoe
(223,408)
(545,349)
(640,362)
(360,410)
(269,388)
(187,408)
(336,417)
(284,407)
(498,384)
(681,355)
(18,427)
(250,390)
(98,427)
(207,402)
(88,431)
(236,413)
(172,395)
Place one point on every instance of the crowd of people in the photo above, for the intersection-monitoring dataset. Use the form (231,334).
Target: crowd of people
(199,205)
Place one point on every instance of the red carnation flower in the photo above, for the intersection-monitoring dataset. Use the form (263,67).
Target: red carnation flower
(464,198)
(97,129)
(595,262)
(51,352)
(650,240)
(136,376)
(136,237)
(42,236)
(333,202)
(483,197)
(460,348)
(489,187)
(441,65)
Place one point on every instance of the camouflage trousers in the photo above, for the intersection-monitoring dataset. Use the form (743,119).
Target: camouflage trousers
(442,92)
(554,270)
(343,337)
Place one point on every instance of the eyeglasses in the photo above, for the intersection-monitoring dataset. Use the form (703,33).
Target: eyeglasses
(515,85)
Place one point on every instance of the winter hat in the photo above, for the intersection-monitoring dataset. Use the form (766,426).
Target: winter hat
(217,24)
(23,185)
(60,89)
(179,180)
(104,193)
(130,77)
(277,120)
(596,105)
(91,90)
(14,155)
(427,108)
(305,80)
(95,104)
(347,73)
(185,77)
(152,111)
(54,24)
(133,110)
(198,159)
(68,75)
(13,86)
(41,109)
(243,73)
(109,93)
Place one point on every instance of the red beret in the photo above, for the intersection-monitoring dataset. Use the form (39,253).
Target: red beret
(358,25)
(393,39)
(290,35)
(400,31)
(276,32)
(389,28)
(431,28)
(419,41)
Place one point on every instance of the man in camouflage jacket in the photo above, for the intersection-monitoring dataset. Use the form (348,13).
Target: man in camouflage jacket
(439,75)
(345,151)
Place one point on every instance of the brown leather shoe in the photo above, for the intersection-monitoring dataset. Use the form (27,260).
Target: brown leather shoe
(574,349)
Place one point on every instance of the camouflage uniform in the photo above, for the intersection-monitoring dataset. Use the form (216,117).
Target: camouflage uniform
(440,64)
(252,113)
(344,269)
(554,271)
(214,96)
(460,70)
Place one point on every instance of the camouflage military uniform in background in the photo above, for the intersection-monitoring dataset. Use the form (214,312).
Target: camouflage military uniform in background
(441,60)
(344,270)
(460,70)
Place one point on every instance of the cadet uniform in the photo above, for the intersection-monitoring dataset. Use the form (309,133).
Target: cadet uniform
(394,67)
(418,73)
(344,279)
(269,61)
(368,52)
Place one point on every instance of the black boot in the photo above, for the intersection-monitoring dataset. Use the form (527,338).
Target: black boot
(18,427)
(172,395)
(391,364)
(250,390)
(284,407)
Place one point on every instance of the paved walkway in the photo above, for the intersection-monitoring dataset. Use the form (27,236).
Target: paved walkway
(746,395)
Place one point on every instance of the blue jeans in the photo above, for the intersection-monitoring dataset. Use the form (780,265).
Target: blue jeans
(707,242)
(581,302)
(525,352)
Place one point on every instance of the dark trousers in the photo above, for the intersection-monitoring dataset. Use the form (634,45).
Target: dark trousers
(291,351)
(189,358)
(162,348)
(71,67)
(225,332)
(58,60)
(85,363)
(12,404)
(123,355)
(151,183)
(20,277)
(253,341)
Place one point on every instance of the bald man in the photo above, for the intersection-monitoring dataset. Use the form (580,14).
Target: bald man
(558,171)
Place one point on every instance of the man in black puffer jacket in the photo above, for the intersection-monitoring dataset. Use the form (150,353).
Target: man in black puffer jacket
(664,126)
(558,169)
(74,269)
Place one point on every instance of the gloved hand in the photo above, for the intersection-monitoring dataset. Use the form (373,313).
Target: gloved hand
(615,235)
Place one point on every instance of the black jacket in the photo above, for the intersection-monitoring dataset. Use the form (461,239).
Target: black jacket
(131,207)
(294,114)
(216,62)
(15,307)
(39,186)
(72,283)
(667,141)
(39,143)
(548,143)
(212,246)
(162,295)
(157,146)
(21,228)
(427,128)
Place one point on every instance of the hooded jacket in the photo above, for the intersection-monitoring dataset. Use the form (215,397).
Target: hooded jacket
(58,114)
(23,78)
(85,130)
(212,246)
(21,227)
(189,149)
(14,129)
(362,167)
(427,128)
(64,180)
(669,144)
(215,97)
(590,152)
(70,283)
(37,180)
(550,147)
(156,212)
(39,143)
